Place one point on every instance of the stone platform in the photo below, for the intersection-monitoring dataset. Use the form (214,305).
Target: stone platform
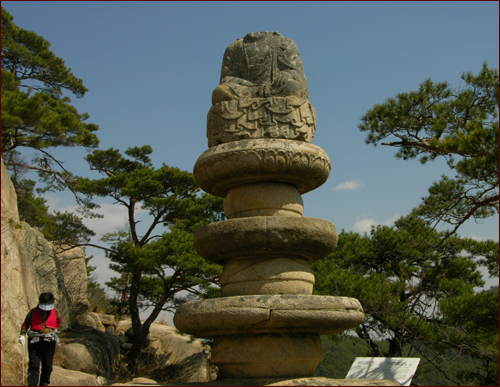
(308,381)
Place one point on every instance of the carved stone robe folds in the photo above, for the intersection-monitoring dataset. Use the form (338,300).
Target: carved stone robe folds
(262,64)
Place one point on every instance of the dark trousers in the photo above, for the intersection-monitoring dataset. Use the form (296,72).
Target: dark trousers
(41,352)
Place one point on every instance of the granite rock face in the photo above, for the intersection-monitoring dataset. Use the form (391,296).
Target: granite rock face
(74,270)
(9,197)
(31,265)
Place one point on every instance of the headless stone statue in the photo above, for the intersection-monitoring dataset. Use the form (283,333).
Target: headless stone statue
(262,64)
(267,324)
(262,92)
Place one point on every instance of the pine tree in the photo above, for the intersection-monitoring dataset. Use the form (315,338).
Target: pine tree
(417,296)
(36,115)
(459,125)
(154,266)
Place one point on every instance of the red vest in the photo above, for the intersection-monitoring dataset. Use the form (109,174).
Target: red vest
(36,320)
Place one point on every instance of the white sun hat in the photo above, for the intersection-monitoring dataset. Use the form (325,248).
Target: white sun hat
(46,306)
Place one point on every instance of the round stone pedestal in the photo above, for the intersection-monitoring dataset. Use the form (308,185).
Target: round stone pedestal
(268,323)
(267,355)
(233,164)
(259,314)
(268,335)
(266,236)
(267,276)
(263,199)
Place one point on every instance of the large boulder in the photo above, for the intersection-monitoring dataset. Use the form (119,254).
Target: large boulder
(74,270)
(173,356)
(91,351)
(91,319)
(108,320)
(63,377)
(76,357)
(189,357)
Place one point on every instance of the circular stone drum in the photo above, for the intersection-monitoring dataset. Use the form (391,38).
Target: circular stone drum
(268,335)
(267,276)
(237,163)
(266,236)
(267,355)
(258,314)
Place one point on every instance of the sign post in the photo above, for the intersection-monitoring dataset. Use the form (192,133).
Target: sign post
(400,369)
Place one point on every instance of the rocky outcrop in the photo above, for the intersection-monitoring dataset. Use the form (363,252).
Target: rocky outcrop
(30,265)
(74,269)
(9,197)
(64,377)
(175,356)
(90,351)
(167,356)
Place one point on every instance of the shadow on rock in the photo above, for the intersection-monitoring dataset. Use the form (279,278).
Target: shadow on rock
(90,351)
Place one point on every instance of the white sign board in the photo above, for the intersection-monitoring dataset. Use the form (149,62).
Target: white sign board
(400,369)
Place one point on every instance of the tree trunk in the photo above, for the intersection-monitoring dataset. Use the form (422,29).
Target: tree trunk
(363,334)
(396,344)
(141,330)
(133,356)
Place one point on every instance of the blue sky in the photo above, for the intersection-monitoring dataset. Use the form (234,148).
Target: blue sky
(151,67)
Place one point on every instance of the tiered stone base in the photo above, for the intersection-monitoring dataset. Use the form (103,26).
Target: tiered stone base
(268,335)
(268,324)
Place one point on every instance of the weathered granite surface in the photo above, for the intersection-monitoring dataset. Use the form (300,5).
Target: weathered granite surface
(262,64)
(275,117)
(31,265)
(265,236)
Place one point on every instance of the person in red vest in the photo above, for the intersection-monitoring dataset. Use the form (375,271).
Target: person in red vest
(43,320)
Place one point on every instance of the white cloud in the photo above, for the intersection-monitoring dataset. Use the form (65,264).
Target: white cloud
(391,220)
(476,238)
(115,217)
(365,225)
(349,185)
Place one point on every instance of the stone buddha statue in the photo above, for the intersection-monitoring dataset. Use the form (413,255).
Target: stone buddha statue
(262,92)
(262,64)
